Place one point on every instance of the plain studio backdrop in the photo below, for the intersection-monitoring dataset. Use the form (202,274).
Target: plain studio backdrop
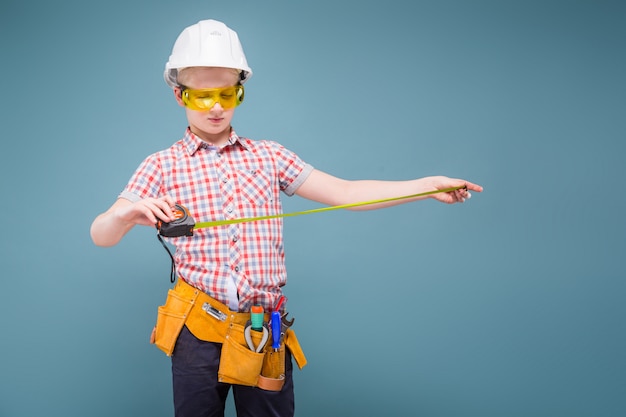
(509,305)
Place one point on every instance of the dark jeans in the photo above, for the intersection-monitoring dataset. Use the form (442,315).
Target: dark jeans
(197,392)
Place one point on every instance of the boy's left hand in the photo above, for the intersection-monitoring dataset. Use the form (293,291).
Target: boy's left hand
(458,196)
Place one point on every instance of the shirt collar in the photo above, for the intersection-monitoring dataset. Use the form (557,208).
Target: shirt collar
(192,142)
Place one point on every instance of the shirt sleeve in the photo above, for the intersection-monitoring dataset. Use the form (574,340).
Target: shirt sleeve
(292,171)
(146,182)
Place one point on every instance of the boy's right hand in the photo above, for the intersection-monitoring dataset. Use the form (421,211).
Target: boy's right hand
(145,212)
(109,227)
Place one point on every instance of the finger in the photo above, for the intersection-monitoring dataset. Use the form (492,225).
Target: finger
(473,187)
(155,209)
(158,211)
(169,200)
(146,213)
(459,196)
(447,198)
(163,208)
(165,212)
(466,195)
(168,210)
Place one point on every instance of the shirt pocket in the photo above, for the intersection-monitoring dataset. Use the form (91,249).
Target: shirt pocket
(255,186)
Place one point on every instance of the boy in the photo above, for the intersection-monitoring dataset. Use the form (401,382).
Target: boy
(228,269)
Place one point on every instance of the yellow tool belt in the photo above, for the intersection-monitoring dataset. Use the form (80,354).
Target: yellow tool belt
(212,321)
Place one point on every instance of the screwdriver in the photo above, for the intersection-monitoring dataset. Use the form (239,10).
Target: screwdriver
(275,322)
(275,319)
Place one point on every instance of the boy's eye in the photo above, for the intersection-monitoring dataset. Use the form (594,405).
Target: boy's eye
(205,96)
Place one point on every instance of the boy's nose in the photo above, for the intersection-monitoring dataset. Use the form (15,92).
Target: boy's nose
(217,106)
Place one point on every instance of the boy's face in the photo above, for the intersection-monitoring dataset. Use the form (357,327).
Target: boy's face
(211,125)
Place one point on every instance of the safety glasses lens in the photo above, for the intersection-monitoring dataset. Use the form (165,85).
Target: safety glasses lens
(206,98)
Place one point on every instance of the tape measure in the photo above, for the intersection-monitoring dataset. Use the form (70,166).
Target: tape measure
(184,225)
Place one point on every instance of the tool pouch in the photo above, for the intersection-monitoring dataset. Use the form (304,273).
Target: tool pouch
(171,318)
(291,341)
(238,363)
(272,376)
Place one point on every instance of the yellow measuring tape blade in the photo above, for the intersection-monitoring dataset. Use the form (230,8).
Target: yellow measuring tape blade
(202,225)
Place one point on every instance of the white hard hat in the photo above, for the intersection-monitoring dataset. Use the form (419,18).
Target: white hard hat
(208,43)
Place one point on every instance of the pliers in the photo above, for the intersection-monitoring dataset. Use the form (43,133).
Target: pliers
(247,335)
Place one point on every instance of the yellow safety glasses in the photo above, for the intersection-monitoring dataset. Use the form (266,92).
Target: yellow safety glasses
(205,98)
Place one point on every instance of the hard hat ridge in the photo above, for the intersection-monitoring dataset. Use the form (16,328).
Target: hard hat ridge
(208,43)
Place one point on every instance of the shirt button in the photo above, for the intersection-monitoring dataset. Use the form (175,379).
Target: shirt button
(236,269)
(229,209)
(225,180)
(235,238)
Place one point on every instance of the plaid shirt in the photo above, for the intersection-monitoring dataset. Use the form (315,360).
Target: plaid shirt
(241,179)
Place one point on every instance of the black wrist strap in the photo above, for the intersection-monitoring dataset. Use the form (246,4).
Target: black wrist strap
(173,270)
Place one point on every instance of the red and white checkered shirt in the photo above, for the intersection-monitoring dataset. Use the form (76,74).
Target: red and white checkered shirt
(241,179)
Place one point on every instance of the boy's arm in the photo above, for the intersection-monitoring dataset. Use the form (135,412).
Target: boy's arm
(327,189)
(111,226)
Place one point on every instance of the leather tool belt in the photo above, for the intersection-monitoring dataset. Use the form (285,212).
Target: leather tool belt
(212,321)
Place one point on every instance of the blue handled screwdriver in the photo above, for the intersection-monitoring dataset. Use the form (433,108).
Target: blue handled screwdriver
(275,319)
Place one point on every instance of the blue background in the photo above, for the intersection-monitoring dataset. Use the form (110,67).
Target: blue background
(509,305)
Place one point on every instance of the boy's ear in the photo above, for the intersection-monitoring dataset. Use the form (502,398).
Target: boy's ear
(177,96)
